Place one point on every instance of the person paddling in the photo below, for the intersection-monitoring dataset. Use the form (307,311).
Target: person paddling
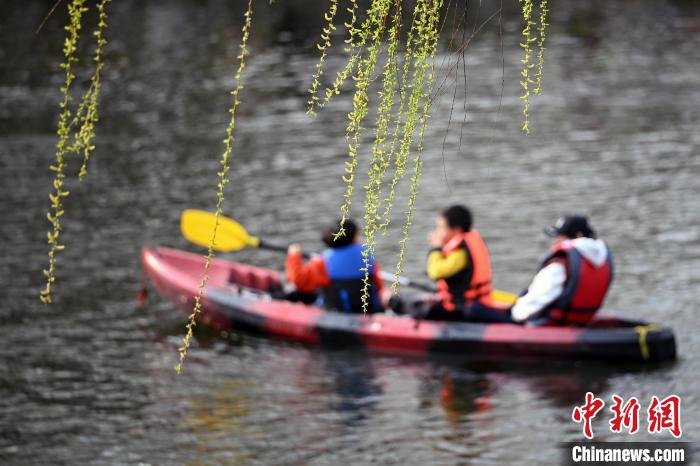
(573,278)
(459,263)
(338,272)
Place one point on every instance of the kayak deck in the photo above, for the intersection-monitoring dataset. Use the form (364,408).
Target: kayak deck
(240,296)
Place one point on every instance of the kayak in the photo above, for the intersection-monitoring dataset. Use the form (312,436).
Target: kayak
(242,297)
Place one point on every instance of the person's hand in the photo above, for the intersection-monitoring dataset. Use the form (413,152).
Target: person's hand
(294,249)
(434,239)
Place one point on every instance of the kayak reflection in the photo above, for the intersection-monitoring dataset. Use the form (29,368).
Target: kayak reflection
(340,399)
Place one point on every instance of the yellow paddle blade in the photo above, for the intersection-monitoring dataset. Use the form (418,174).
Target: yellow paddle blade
(504,297)
(198,225)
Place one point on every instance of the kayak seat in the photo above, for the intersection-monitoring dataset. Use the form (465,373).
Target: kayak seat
(252,277)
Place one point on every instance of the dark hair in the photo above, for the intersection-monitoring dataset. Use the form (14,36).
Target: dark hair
(458,216)
(331,230)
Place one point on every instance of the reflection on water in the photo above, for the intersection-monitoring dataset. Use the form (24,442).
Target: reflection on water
(460,398)
(339,405)
(217,416)
(90,381)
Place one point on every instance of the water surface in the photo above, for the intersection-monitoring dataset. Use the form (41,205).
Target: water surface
(89,380)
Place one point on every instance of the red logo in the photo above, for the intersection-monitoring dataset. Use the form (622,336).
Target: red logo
(661,414)
(587,412)
(626,416)
(665,415)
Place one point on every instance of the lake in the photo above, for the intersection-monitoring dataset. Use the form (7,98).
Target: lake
(90,379)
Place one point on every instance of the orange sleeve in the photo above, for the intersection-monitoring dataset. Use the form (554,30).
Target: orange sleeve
(378,282)
(306,277)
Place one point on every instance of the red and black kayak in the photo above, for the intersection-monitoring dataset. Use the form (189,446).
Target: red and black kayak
(240,296)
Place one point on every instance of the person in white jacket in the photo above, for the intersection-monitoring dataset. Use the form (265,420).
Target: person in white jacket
(573,279)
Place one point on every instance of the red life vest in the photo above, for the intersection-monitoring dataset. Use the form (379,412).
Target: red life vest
(474,282)
(584,289)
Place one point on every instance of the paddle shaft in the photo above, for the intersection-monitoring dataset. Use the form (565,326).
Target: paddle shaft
(276,248)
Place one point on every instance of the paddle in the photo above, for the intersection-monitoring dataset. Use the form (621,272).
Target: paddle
(197,226)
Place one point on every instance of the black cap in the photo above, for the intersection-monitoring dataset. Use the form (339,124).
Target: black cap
(570,226)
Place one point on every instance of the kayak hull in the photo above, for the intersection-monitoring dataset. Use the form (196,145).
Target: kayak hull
(238,297)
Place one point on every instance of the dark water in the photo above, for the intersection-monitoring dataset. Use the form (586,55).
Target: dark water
(89,380)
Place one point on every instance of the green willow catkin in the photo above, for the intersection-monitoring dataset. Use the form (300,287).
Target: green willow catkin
(540,47)
(323,46)
(87,114)
(76,9)
(526,79)
(81,128)
(398,156)
(363,78)
(223,181)
(356,40)
(425,60)
(380,160)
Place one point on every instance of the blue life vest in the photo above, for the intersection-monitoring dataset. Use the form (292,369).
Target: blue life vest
(344,267)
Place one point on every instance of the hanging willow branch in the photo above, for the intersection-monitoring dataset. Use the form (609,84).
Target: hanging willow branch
(376,24)
(425,63)
(526,45)
(398,156)
(81,128)
(357,37)
(323,46)
(86,115)
(540,46)
(380,160)
(223,181)
(416,81)
(411,95)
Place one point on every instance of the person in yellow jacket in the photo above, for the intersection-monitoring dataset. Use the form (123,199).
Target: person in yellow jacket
(459,263)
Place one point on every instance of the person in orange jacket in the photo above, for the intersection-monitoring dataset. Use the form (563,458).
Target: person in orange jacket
(459,263)
(337,274)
